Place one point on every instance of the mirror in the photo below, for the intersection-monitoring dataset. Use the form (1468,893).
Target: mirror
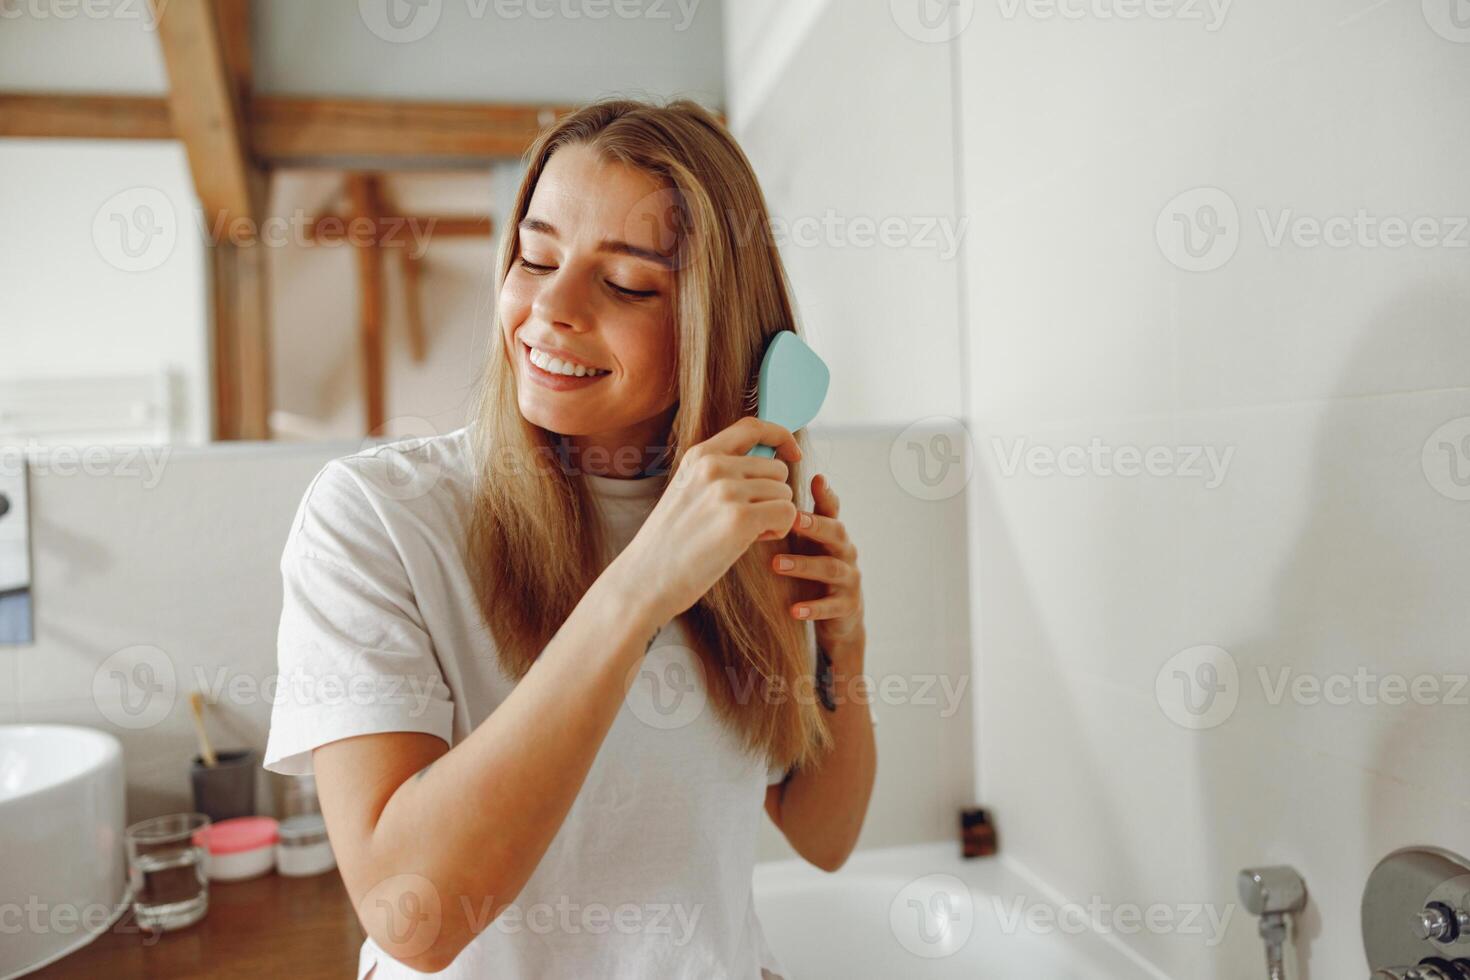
(291,237)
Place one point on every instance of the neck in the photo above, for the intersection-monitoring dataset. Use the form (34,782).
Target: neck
(626,454)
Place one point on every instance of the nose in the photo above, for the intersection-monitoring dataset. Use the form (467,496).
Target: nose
(562,302)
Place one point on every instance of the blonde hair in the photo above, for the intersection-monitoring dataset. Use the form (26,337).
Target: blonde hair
(732,296)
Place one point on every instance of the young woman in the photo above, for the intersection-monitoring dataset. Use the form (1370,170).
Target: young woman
(548,667)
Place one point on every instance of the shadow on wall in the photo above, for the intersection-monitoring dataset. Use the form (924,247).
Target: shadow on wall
(1318,767)
(1336,547)
(1065,763)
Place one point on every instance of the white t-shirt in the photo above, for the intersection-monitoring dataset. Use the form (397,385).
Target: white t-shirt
(650,875)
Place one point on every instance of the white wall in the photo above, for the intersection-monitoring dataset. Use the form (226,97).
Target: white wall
(1336,541)
(853,139)
(452,50)
(103,269)
(1328,382)
(92,46)
(490,50)
(89,285)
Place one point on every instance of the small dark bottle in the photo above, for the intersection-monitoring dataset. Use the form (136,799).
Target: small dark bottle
(977,833)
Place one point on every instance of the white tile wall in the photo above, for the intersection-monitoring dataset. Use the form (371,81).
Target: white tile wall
(856,132)
(1327,550)
(181,558)
(1319,544)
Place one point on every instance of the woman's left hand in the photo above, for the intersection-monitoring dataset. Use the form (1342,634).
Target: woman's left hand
(821,551)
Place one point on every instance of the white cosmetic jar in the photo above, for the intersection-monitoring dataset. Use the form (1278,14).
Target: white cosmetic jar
(302,848)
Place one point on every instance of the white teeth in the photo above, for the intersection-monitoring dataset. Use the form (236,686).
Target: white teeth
(556,365)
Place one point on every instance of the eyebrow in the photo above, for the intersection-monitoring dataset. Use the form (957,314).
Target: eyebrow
(606,245)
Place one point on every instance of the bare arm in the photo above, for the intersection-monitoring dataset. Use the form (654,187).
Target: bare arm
(820,810)
(434,842)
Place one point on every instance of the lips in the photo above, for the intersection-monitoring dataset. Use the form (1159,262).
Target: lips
(565,356)
(557,382)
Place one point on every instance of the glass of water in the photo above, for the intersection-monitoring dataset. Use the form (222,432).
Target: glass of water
(166,871)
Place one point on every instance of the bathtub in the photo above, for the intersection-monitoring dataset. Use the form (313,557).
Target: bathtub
(923,911)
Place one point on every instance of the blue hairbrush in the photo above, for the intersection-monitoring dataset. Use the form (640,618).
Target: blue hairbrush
(790,387)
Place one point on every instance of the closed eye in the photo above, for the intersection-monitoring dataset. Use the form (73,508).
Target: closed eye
(633,293)
(540,270)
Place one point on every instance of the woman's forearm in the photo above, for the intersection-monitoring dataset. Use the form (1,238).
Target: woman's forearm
(477,820)
(822,807)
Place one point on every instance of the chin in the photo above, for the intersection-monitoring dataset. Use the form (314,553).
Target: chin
(560,423)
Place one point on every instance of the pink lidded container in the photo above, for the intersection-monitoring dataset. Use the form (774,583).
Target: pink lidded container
(239,848)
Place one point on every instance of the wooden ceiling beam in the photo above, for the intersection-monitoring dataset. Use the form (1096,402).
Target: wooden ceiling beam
(413,308)
(391,230)
(365,193)
(289,131)
(204,104)
(87,117)
(234,28)
(206,50)
(294,131)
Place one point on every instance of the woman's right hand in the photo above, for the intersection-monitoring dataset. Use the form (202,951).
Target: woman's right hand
(717,504)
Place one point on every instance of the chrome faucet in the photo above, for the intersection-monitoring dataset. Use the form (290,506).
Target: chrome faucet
(1416,912)
(1275,894)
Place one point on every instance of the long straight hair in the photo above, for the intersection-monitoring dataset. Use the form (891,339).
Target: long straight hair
(535,537)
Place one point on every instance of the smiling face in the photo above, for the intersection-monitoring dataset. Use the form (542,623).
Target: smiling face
(592,283)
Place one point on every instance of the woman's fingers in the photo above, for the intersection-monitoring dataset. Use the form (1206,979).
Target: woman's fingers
(832,607)
(823,497)
(818,568)
(745,434)
(758,468)
(826,531)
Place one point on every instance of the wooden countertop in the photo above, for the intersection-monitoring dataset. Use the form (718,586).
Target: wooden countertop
(272,926)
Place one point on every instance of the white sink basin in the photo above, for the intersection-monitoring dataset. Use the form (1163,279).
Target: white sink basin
(63,879)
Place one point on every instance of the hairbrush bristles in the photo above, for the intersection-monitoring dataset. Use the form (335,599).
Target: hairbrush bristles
(752,397)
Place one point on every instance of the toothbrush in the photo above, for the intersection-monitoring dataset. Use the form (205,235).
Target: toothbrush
(790,387)
(196,707)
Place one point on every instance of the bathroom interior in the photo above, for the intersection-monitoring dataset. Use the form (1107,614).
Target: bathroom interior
(1148,327)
